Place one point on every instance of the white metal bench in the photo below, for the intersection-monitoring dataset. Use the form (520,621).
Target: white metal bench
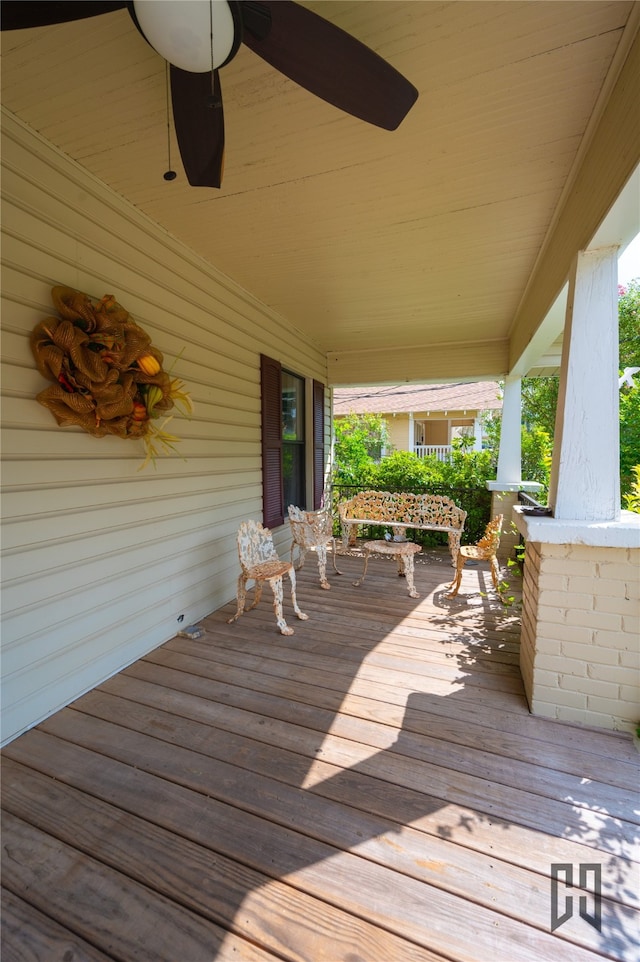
(426,512)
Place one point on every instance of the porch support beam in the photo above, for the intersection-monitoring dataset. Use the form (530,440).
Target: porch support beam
(477,434)
(509,475)
(510,454)
(585,479)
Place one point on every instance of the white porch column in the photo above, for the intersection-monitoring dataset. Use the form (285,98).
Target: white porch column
(412,433)
(578,653)
(509,475)
(510,454)
(585,476)
(477,434)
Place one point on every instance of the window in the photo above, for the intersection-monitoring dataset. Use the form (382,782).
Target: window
(286,448)
(293,446)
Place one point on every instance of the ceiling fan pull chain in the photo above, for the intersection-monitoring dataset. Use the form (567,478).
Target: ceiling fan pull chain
(169,174)
(215,100)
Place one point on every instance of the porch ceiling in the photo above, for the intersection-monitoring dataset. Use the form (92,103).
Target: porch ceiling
(409,255)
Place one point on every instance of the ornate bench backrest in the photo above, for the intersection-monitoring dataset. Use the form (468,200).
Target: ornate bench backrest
(436,509)
(421,509)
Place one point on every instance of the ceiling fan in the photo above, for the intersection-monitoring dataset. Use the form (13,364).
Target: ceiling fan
(198,37)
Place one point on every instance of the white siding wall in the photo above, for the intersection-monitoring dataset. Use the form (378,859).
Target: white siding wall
(98,558)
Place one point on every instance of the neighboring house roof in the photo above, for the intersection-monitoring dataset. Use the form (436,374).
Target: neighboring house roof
(403,398)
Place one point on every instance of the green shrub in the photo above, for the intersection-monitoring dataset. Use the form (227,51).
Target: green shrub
(632,499)
(400,471)
(537,451)
(629,440)
(359,440)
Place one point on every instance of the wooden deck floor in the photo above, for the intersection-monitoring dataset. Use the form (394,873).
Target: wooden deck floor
(371,789)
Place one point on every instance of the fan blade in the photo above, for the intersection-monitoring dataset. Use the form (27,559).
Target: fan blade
(18,15)
(327,61)
(199,123)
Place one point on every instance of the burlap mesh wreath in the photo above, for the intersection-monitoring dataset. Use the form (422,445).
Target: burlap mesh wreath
(108,378)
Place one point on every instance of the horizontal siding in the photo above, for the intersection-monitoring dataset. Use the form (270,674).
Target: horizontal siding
(99,558)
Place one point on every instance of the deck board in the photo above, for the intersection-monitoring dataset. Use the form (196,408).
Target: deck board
(370,789)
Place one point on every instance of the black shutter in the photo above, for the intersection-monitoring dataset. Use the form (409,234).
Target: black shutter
(318,444)
(271,391)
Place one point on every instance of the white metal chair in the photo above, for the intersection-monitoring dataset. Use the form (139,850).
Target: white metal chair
(313,531)
(484,550)
(259,562)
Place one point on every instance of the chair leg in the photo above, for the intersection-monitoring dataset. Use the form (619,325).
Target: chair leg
(364,572)
(495,574)
(241,596)
(454,547)
(257,596)
(276,587)
(408,570)
(455,584)
(301,615)
(321,551)
(335,568)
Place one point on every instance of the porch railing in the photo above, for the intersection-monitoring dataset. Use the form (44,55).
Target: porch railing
(528,500)
(441,451)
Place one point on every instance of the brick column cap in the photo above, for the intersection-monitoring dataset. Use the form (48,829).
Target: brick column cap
(513,485)
(624,533)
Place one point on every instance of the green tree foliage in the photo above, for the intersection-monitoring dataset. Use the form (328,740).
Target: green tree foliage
(539,403)
(537,450)
(629,323)
(359,442)
(632,500)
(405,471)
(629,438)
(629,327)
(468,468)
(400,471)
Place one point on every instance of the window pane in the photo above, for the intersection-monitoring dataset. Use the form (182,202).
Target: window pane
(293,453)
(293,474)
(271,387)
(292,407)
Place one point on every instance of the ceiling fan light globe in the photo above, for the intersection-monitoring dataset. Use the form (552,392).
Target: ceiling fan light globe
(180,31)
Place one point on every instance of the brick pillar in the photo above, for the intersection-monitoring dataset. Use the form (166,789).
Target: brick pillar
(579,645)
(502,502)
(504,497)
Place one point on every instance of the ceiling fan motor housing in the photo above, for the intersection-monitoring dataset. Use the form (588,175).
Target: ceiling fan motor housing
(195,35)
